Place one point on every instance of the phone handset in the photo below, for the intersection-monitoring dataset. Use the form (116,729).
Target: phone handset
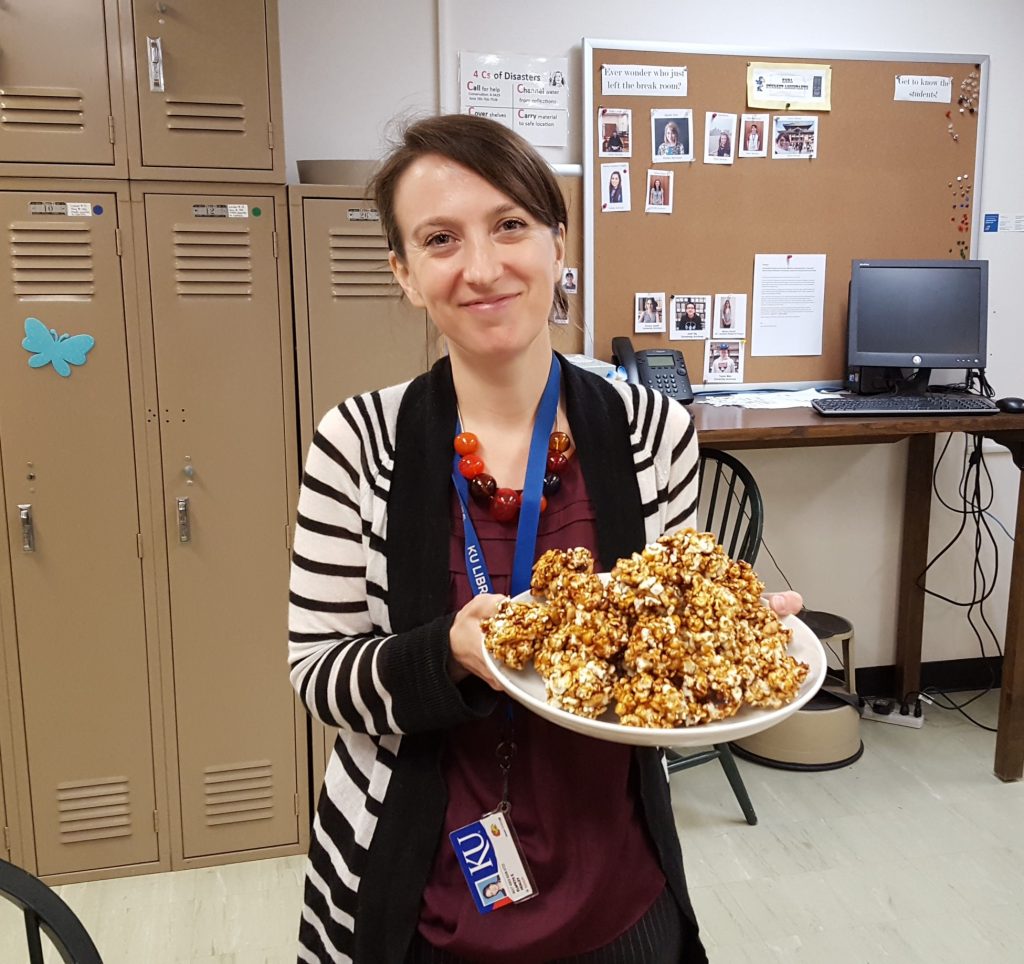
(663,369)
(623,354)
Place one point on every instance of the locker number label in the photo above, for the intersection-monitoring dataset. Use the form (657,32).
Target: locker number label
(73,209)
(363,214)
(220,210)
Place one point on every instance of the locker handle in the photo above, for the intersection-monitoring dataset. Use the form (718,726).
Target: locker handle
(155,60)
(184,525)
(28,534)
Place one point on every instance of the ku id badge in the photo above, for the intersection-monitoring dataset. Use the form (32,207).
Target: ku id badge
(492,863)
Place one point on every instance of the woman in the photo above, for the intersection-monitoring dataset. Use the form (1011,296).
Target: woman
(649,315)
(615,188)
(385,638)
(657,196)
(727,313)
(753,138)
(724,145)
(670,144)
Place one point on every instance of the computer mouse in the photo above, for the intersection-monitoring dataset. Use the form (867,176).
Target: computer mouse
(1010,404)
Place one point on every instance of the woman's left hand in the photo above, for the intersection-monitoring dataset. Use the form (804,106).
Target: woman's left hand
(787,603)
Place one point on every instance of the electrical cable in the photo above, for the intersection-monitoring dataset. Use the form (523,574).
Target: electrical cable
(976,492)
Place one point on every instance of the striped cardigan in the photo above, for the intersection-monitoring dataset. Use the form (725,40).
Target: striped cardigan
(368,632)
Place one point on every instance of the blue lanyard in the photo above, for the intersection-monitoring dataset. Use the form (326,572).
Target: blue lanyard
(529,511)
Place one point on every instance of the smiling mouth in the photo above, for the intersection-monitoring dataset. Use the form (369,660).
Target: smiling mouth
(495,301)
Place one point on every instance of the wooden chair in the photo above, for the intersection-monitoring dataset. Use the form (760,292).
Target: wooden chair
(46,913)
(731,507)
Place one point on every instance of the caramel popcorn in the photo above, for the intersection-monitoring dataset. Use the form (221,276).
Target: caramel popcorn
(676,637)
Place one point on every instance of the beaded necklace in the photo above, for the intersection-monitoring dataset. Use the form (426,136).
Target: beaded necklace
(503,504)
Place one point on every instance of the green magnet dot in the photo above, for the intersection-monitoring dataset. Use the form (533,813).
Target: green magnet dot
(256,212)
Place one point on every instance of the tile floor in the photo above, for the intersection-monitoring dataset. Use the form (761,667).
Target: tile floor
(913,854)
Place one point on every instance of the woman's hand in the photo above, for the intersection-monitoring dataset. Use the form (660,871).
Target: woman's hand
(466,640)
(787,603)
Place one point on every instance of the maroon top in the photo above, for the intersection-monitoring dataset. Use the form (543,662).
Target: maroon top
(575,801)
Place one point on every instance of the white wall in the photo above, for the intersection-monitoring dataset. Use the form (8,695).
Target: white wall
(833,514)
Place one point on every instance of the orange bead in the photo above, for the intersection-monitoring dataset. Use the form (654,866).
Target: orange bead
(466,442)
(543,504)
(470,466)
(559,442)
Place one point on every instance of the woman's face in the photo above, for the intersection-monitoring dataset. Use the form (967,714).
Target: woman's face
(723,139)
(657,183)
(648,304)
(481,265)
(615,179)
(671,134)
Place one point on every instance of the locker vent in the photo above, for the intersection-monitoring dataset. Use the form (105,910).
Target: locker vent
(93,809)
(359,266)
(219,116)
(52,259)
(239,792)
(212,260)
(41,108)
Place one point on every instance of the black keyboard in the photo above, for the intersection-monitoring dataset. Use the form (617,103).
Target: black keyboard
(929,404)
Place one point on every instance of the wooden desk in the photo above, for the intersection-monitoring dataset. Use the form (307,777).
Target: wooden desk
(731,427)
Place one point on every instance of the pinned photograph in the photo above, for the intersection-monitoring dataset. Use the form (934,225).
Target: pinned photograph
(730,317)
(570,280)
(689,317)
(753,135)
(671,135)
(613,130)
(649,314)
(719,138)
(794,137)
(723,361)
(659,192)
(615,187)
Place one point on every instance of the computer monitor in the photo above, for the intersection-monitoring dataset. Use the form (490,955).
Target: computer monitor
(918,314)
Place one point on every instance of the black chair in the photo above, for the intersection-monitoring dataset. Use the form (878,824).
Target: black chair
(731,507)
(46,913)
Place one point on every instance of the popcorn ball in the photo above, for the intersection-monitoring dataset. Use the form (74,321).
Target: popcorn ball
(677,636)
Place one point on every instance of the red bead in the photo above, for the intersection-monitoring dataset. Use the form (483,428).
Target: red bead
(559,442)
(543,504)
(465,443)
(482,487)
(557,462)
(470,466)
(505,506)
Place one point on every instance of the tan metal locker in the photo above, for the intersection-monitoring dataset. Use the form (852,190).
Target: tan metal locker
(203,87)
(222,346)
(72,508)
(356,331)
(61,97)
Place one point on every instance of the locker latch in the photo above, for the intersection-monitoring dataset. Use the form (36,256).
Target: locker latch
(155,59)
(28,535)
(184,527)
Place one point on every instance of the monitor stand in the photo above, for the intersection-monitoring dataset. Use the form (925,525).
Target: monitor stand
(916,383)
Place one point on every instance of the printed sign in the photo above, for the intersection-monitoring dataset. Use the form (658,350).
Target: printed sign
(528,94)
(935,90)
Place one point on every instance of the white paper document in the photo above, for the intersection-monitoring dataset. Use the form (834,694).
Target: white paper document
(789,304)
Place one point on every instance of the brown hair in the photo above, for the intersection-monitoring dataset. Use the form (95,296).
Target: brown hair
(498,155)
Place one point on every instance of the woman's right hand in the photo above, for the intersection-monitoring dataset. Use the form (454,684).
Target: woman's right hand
(466,639)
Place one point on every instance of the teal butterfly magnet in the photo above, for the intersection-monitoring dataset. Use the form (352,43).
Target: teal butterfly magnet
(49,348)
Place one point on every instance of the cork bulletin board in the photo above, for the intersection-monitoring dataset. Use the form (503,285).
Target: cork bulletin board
(891,179)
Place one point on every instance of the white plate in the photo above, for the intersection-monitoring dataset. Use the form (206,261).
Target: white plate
(525,686)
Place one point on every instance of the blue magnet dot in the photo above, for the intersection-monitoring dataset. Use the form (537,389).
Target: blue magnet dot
(97,209)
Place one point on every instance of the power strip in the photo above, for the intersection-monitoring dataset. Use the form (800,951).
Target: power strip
(916,722)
